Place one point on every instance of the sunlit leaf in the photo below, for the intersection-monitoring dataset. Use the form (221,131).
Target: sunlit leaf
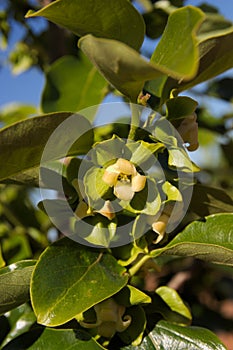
(210,240)
(69,279)
(104,18)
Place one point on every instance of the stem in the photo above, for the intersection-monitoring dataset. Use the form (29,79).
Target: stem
(134,269)
(135,121)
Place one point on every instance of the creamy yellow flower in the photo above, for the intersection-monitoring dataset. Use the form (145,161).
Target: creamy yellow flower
(125,179)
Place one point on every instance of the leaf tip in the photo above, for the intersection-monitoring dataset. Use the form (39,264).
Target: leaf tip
(30,13)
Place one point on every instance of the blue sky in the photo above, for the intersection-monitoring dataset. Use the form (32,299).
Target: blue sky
(27,87)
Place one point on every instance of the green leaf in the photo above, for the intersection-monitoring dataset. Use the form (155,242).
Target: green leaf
(210,240)
(130,295)
(180,107)
(216,56)
(20,320)
(14,112)
(14,284)
(53,339)
(143,153)
(167,336)
(210,200)
(95,187)
(122,66)
(174,301)
(104,18)
(107,151)
(95,230)
(69,74)
(2,262)
(177,51)
(22,144)
(69,279)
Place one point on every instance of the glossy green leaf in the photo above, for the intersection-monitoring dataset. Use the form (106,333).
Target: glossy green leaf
(174,301)
(216,56)
(69,279)
(71,85)
(168,336)
(14,284)
(177,50)
(22,144)
(20,320)
(210,240)
(130,295)
(104,18)
(53,339)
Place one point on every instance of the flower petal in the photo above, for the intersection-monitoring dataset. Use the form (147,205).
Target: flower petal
(125,167)
(110,177)
(138,182)
(107,210)
(159,227)
(123,191)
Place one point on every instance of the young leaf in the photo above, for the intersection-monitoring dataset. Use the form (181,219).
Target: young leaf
(210,240)
(174,301)
(53,339)
(22,144)
(103,18)
(69,74)
(69,279)
(177,50)
(14,284)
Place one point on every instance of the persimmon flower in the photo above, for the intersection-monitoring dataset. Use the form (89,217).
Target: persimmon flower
(125,179)
(159,225)
(109,318)
(188,130)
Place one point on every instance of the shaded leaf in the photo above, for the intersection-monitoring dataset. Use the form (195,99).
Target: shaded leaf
(53,339)
(210,200)
(69,279)
(22,144)
(71,85)
(180,107)
(112,19)
(216,56)
(210,240)
(14,284)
